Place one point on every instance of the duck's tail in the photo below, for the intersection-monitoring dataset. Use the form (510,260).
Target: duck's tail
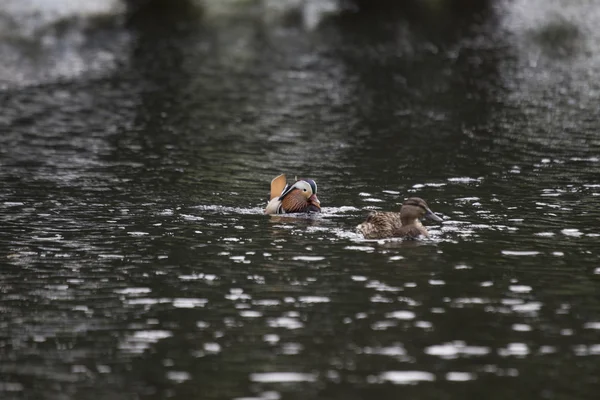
(364,229)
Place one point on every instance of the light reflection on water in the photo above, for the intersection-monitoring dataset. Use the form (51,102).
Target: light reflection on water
(138,261)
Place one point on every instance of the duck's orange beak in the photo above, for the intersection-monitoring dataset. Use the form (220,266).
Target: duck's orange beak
(314,200)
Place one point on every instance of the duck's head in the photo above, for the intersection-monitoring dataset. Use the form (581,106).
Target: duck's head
(302,195)
(415,208)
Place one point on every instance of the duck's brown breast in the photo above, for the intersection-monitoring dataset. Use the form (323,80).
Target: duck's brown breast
(412,230)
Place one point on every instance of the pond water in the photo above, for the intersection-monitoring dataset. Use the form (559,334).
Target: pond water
(137,263)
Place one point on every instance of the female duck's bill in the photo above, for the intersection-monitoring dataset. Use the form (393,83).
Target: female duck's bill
(301,197)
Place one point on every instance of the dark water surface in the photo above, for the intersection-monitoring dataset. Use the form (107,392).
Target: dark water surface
(136,262)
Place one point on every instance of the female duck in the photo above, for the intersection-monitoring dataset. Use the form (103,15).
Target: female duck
(301,197)
(406,223)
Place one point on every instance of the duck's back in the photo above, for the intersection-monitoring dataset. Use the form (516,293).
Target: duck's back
(380,225)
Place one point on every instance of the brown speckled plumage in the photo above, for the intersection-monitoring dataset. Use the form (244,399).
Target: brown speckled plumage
(405,223)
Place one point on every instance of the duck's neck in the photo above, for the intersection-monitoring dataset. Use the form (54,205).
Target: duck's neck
(410,221)
(294,203)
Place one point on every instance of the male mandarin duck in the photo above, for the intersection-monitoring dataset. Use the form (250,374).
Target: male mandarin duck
(301,197)
(406,223)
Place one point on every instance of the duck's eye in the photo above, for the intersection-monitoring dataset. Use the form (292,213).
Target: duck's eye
(304,189)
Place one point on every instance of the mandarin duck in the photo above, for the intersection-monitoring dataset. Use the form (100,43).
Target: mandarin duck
(301,197)
(406,223)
